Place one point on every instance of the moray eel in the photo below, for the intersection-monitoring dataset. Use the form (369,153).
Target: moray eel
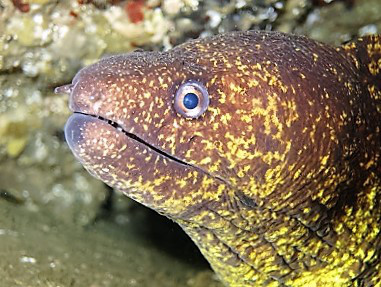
(263,146)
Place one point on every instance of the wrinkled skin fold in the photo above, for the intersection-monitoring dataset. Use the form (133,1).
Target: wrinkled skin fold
(278,182)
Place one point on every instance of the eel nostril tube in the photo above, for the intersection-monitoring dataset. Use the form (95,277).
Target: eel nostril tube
(65,89)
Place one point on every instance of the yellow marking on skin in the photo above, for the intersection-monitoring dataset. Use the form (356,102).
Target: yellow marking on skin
(206,160)
(236,88)
(252,83)
(374,67)
(147,95)
(222,98)
(297,173)
(213,80)
(225,118)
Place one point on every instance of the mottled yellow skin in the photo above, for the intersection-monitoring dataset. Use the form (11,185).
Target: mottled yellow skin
(280,179)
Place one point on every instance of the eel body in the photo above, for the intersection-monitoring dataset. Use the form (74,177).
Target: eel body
(263,146)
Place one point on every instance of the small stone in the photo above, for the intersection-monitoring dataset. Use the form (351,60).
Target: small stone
(16,146)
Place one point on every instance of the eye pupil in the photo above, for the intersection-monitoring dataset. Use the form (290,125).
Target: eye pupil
(190,101)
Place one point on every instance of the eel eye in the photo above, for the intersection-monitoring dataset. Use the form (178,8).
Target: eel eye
(191,99)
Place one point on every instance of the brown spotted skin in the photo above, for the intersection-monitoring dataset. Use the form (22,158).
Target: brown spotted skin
(280,179)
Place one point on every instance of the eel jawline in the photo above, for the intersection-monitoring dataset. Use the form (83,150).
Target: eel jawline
(157,150)
(136,138)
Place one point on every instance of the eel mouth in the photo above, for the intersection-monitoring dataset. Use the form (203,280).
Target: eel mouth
(71,138)
(75,137)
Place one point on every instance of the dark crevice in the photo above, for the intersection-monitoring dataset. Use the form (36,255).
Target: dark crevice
(106,209)
(8,196)
(166,235)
